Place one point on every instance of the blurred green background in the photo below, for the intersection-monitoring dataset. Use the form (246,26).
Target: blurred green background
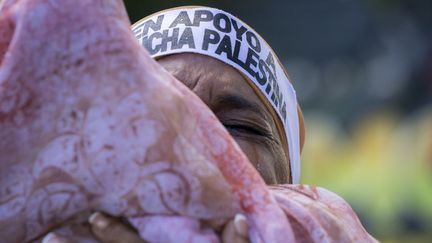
(363,74)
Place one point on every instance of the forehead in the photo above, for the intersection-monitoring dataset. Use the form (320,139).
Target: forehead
(206,72)
(219,85)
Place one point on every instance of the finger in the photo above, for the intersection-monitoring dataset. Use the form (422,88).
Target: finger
(240,225)
(55,238)
(231,233)
(109,230)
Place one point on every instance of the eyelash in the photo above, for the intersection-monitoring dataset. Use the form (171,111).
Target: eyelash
(245,129)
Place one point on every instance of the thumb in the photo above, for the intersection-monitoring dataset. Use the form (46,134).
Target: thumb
(236,231)
(56,238)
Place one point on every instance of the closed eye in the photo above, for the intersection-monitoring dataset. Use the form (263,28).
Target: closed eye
(248,130)
(244,129)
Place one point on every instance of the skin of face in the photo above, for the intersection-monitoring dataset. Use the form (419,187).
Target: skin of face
(229,95)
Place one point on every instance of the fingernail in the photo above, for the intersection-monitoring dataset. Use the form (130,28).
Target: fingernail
(240,225)
(98,220)
(51,238)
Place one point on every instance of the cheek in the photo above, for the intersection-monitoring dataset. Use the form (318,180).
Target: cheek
(261,159)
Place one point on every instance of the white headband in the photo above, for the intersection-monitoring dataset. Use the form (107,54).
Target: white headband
(218,34)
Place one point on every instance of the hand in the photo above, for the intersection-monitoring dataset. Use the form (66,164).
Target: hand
(110,230)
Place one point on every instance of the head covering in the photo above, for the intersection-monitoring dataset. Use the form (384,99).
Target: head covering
(220,35)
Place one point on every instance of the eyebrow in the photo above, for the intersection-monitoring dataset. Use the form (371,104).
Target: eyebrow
(235,102)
